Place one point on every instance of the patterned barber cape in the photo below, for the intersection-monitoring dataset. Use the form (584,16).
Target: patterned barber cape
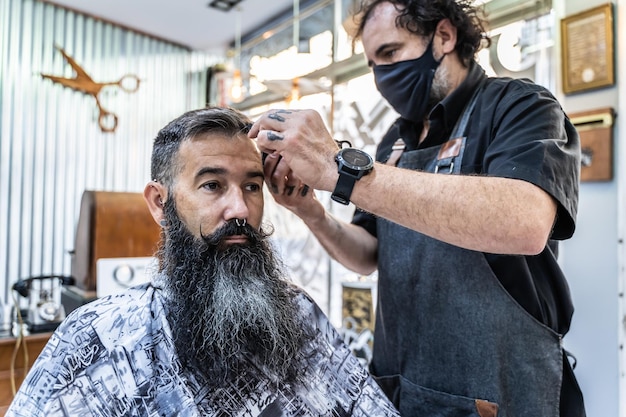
(115,357)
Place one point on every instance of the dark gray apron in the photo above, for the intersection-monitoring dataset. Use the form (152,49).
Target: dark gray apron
(449,339)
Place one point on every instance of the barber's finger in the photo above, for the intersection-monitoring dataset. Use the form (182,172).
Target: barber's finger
(270,162)
(254,130)
(277,118)
(282,177)
(270,141)
(289,189)
(274,136)
(292,184)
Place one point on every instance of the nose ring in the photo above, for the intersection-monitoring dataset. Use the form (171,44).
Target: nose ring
(240,222)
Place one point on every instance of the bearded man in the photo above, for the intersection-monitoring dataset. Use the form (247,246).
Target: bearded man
(219,330)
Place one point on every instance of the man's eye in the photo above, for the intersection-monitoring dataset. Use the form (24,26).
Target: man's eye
(211,186)
(253,187)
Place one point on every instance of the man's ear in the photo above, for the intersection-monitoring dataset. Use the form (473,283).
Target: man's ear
(446,32)
(155,197)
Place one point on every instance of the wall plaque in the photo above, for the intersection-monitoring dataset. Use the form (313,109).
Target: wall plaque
(587,49)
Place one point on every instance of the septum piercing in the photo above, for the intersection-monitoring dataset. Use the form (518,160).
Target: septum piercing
(240,222)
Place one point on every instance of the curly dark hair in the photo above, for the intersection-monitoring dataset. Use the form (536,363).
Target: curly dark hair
(422,16)
(218,120)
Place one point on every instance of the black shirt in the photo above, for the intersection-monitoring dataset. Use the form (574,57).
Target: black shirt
(517,130)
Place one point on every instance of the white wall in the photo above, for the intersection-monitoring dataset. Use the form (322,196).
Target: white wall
(621,206)
(591,261)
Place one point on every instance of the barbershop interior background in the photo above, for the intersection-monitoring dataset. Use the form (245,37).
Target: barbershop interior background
(66,146)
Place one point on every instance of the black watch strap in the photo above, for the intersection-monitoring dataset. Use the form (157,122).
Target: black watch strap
(343,189)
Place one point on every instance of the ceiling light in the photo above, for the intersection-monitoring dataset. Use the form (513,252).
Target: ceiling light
(224,5)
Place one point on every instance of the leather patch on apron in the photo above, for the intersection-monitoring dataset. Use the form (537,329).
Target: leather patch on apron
(450,149)
(448,153)
(486,409)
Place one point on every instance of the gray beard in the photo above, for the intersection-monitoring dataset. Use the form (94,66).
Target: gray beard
(232,313)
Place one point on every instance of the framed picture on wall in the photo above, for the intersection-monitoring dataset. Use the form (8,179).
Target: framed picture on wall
(587,49)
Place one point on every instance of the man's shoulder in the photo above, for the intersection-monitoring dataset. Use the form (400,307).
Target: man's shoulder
(112,335)
(312,314)
(495,85)
(133,302)
(106,324)
(305,302)
(504,94)
(128,298)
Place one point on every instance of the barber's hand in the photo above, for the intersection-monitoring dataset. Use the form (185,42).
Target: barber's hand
(306,147)
(289,191)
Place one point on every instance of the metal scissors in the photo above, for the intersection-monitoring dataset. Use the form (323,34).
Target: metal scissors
(84,83)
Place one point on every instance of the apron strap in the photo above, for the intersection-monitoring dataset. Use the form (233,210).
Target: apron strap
(455,144)
(396,152)
(461,123)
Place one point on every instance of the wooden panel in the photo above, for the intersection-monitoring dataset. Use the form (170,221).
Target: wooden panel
(595,128)
(34,345)
(596,147)
(111,225)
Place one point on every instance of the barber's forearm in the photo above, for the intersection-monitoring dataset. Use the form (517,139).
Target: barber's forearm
(487,214)
(350,245)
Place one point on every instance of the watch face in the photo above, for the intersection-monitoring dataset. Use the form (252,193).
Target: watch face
(356,158)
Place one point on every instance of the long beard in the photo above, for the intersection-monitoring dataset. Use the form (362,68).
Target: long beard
(231,311)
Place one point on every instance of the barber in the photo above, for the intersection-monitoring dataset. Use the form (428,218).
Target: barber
(459,216)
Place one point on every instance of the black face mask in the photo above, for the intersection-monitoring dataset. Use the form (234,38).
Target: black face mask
(406,84)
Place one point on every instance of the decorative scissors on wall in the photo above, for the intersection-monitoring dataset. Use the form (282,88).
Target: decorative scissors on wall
(84,83)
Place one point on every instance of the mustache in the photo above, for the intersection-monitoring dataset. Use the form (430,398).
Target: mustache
(231,228)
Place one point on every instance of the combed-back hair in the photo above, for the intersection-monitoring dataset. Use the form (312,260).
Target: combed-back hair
(219,120)
(422,16)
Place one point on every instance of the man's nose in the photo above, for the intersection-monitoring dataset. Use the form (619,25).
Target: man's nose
(236,206)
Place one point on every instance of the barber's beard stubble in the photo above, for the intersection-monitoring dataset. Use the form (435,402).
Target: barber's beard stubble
(232,313)
(439,88)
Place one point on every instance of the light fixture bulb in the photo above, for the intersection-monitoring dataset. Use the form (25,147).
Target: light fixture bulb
(236,88)
(295,91)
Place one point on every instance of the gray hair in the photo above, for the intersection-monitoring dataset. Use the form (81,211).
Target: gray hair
(220,120)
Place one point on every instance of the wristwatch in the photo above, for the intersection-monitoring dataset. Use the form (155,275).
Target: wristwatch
(352,164)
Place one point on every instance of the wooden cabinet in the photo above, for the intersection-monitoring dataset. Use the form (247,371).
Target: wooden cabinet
(111,225)
(34,344)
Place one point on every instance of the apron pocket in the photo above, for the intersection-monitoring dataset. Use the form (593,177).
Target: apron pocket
(416,401)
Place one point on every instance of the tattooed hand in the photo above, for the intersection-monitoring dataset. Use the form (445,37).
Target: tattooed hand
(302,150)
